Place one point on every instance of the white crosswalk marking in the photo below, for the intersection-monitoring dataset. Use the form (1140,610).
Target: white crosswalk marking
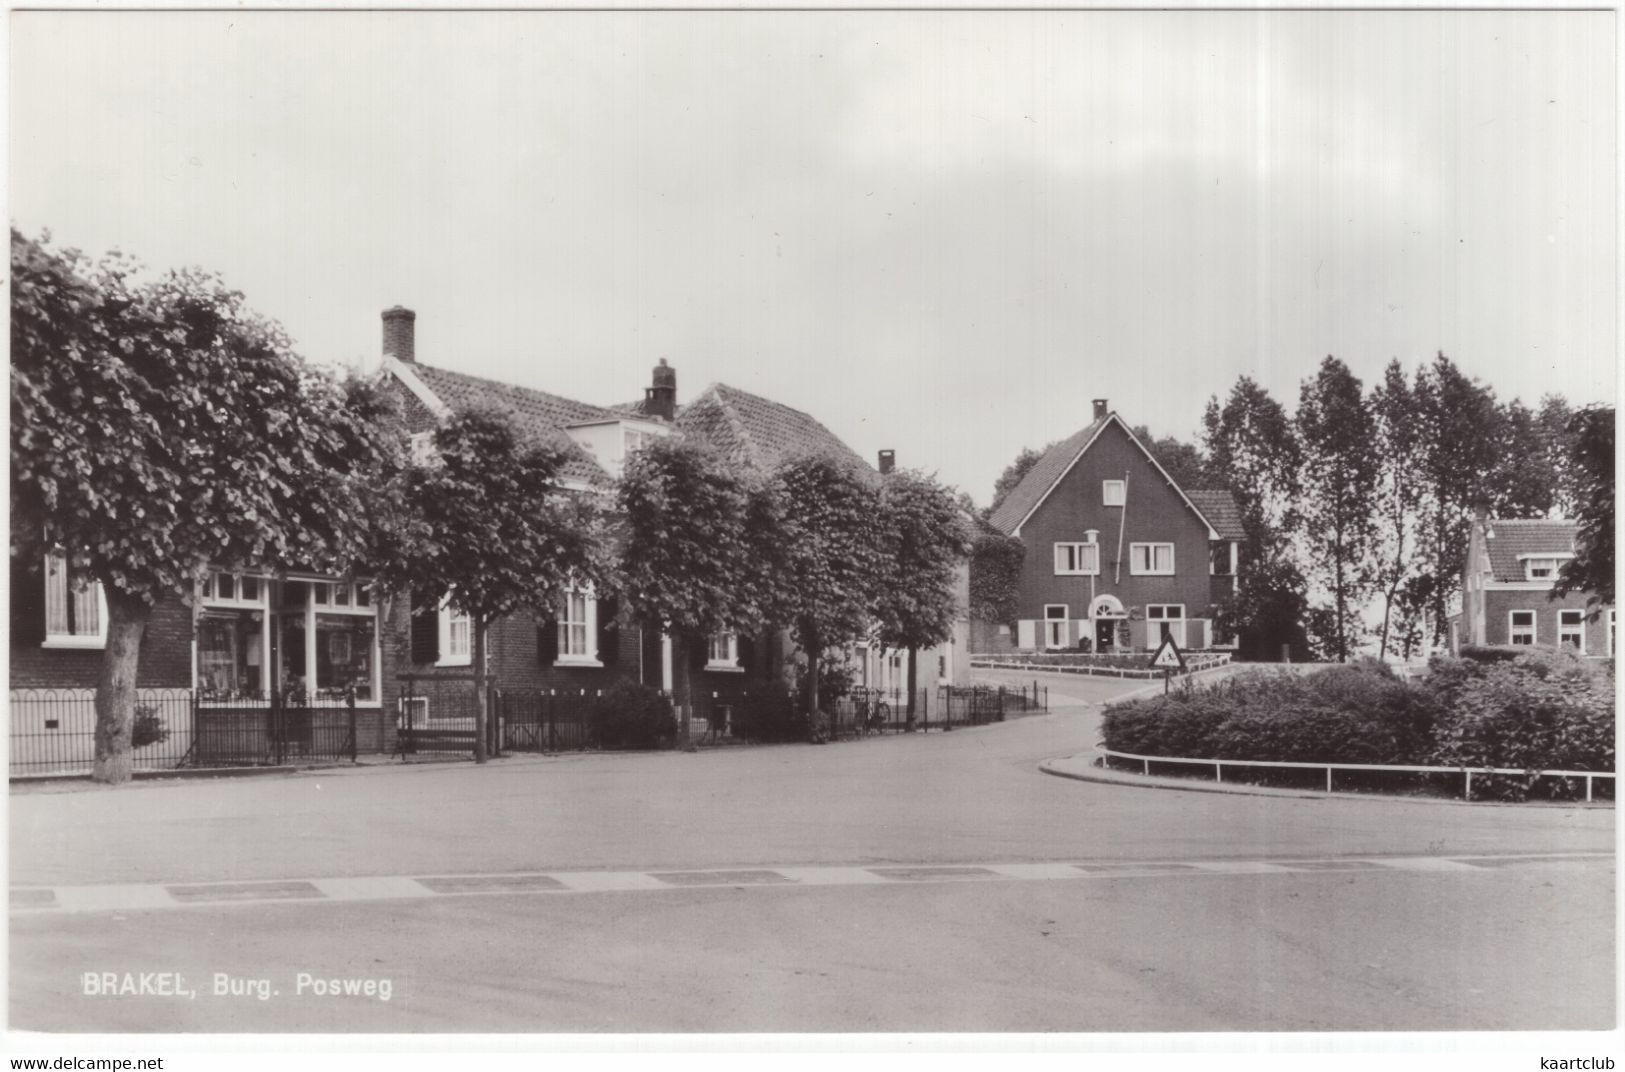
(53,900)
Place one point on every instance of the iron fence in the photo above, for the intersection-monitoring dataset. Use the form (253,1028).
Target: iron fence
(544,720)
(53,731)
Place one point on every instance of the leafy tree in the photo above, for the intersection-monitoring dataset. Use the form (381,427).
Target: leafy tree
(1557,444)
(1015,471)
(833,539)
(491,531)
(1339,477)
(1525,482)
(1398,493)
(702,551)
(924,541)
(995,572)
(1184,462)
(160,428)
(1252,448)
(1459,442)
(1591,569)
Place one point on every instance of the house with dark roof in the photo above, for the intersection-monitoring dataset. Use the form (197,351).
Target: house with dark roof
(1117,554)
(1511,567)
(584,645)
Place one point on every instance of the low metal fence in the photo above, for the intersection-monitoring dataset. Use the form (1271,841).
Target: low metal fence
(1118,666)
(53,731)
(1465,773)
(978,705)
(545,720)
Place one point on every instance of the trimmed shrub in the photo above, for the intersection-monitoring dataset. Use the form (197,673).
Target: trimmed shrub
(1544,710)
(631,715)
(1492,653)
(1547,709)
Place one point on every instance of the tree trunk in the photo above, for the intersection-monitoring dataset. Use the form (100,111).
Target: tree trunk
(1342,639)
(115,689)
(913,681)
(481,721)
(686,661)
(809,643)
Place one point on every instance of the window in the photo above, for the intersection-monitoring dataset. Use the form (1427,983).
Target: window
(1055,625)
(456,637)
(1168,619)
(422,447)
(312,639)
(723,653)
(637,439)
(1571,629)
(578,628)
(1077,559)
(1222,558)
(1111,492)
(1544,567)
(1151,558)
(1523,627)
(75,614)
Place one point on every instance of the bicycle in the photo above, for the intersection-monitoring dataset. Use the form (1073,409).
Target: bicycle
(872,712)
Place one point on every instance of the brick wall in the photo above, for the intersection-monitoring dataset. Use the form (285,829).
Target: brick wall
(1499,604)
(165,662)
(1155,512)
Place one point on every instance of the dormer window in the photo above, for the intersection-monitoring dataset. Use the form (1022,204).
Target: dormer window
(1542,567)
(610,442)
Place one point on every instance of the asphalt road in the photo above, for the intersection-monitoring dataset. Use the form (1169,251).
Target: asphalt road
(1377,922)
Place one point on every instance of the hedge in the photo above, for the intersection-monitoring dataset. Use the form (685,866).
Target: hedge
(1544,710)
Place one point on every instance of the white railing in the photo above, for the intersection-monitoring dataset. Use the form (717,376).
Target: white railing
(1218,766)
(1193,664)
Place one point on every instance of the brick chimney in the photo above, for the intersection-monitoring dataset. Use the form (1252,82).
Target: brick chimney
(660,400)
(888,460)
(1101,409)
(400,333)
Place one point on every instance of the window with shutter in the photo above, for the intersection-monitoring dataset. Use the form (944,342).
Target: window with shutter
(609,632)
(425,630)
(547,641)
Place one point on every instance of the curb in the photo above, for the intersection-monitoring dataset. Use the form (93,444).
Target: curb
(1106,776)
(1087,770)
(182,773)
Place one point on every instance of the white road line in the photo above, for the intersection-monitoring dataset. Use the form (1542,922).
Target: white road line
(47,901)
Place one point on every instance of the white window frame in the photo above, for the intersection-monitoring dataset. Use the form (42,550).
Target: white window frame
(590,620)
(1576,628)
(1074,552)
(448,618)
(1150,560)
(1158,613)
(730,647)
(209,599)
(422,448)
(1051,621)
(1113,492)
(1514,630)
(67,641)
(1555,561)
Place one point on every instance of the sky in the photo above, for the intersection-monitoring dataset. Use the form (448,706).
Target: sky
(939,233)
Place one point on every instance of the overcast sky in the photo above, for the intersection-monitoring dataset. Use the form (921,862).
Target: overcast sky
(942,233)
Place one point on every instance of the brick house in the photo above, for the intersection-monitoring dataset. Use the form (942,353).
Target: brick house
(1117,554)
(1510,569)
(585,645)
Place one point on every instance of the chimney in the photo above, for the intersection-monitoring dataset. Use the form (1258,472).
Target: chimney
(660,400)
(1100,409)
(399,333)
(888,460)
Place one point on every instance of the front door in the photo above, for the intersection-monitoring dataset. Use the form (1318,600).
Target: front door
(1105,634)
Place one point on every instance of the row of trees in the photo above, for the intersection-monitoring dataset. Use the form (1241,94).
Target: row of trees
(1357,505)
(160,429)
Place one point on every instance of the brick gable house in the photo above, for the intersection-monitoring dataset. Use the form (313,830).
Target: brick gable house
(1511,567)
(1117,554)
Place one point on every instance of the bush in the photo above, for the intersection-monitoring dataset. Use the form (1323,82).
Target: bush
(630,715)
(1545,710)
(148,727)
(1492,653)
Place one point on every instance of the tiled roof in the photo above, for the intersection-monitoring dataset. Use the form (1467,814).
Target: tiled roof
(538,416)
(1221,511)
(1512,538)
(1041,477)
(757,432)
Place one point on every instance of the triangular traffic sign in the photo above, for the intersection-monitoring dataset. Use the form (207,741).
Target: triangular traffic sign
(1168,656)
